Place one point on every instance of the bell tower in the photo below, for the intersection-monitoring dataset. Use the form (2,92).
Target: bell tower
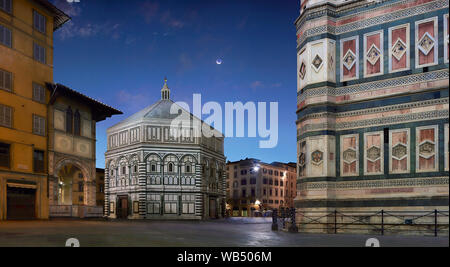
(165,91)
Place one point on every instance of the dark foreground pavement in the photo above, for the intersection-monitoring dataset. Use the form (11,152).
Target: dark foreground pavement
(222,233)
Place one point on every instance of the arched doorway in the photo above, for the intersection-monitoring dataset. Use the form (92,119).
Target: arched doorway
(69,190)
(71,183)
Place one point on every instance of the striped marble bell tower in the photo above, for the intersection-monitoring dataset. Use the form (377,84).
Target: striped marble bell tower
(372,108)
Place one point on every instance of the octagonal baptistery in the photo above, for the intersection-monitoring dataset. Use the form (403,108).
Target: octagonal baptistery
(372,112)
(155,171)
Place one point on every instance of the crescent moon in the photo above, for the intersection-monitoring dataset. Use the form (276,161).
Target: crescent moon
(219,61)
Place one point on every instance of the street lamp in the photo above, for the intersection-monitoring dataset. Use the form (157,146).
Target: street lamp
(256,168)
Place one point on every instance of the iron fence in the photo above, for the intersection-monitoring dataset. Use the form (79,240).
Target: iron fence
(381,222)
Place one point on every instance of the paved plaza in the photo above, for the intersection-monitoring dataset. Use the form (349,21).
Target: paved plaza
(222,233)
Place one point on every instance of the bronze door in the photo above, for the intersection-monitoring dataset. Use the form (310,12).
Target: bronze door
(122,208)
(212,208)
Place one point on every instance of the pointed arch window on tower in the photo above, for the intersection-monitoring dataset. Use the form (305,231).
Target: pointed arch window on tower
(77,123)
(69,120)
(170,167)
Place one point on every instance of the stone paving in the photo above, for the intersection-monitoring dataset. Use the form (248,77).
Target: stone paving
(221,233)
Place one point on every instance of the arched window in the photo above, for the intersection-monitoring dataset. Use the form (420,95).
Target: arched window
(77,123)
(188,168)
(153,168)
(170,167)
(69,120)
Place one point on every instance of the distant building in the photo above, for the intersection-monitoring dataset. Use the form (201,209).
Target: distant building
(155,171)
(372,110)
(254,186)
(100,187)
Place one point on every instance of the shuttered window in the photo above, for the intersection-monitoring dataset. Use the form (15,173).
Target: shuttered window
(39,53)
(5,116)
(5,80)
(6,5)
(5,36)
(39,21)
(38,125)
(38,93)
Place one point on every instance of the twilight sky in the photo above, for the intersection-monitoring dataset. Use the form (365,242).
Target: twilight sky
(118,51)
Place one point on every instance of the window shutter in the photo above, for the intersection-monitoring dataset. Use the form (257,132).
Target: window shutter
(43,57)
(36,51)
(35,94)
(42,94)
(8,117)
(8,37)
(8,5)
(2,35)
(2,80)
(36,20)
(8,82)
(2,115)
(44,24)
(35,126)
(42,126)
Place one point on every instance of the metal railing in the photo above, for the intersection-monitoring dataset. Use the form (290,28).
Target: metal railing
(381,222)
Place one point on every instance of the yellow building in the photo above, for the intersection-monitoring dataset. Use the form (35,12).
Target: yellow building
(26,64)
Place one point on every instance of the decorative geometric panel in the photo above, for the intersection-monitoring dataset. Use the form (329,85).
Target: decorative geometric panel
(373,153)
(302,71)
(349,59)
(399,49)
(349,155)
(427,149)
(400,151)
(373,55)
(446,147)
(426,43)
(426,33)
(330,61)
(317,63)
(59,120)
(317,157)
(399,41)
(302,159)
(446,38)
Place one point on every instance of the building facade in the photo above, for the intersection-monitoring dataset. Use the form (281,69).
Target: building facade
(26,53)
(254,187)
(72,119)
(156,170)
(373,113)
